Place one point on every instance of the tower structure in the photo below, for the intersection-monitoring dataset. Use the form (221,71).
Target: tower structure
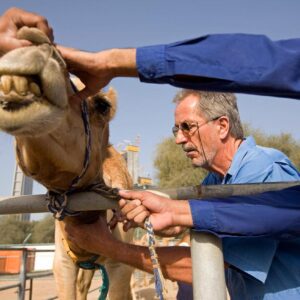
(132,159)
(22,185)
(131,155)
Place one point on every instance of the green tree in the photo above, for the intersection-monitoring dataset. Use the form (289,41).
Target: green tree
(283,142)
(43,231)
(14,231)
(174,169)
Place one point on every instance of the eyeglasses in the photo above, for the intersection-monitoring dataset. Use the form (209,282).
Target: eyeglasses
(188,129)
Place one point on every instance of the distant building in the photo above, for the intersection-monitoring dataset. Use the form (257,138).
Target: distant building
(22,185)
(131,156)
(144,181)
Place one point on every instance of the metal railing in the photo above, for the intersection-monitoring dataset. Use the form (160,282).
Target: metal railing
(24,274)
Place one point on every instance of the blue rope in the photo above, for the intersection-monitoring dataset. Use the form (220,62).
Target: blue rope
(91,265)
(158,276)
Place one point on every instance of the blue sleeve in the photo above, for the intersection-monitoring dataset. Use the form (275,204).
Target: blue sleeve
(226,62)
(271,214)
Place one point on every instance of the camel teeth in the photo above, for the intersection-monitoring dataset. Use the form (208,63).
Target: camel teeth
(35,89)
(6,83)
(21,85)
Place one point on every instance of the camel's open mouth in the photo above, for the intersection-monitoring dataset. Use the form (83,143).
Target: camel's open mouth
(33,87)
(25,107)
(18,92)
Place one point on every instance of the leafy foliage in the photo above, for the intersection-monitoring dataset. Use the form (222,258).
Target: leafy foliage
(174,169)
(283,142)
(44,231)
(15,231)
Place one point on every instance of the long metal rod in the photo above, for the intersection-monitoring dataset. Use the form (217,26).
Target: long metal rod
(22,287)
(9,286)
(225,190)
(37,203)
(92,201)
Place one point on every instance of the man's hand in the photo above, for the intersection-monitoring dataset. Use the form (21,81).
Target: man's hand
(96,70)
(91,68)
(95,238)
(164,215)
(12,20)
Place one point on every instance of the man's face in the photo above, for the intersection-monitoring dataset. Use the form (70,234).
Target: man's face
(201,142)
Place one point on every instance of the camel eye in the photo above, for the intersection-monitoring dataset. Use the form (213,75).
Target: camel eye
(102,105)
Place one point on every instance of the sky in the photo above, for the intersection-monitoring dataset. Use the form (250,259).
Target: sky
(145,111)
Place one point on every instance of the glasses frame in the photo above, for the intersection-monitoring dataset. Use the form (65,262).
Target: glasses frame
(186,127)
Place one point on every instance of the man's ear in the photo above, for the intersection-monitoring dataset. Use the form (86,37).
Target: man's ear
(224,124)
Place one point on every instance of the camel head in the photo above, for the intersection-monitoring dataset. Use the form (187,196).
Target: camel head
(37,107)
(34,86)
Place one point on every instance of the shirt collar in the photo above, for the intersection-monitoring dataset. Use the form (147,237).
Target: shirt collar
(241,152)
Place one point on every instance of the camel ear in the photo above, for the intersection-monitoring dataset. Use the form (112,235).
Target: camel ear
(111,96)
(105,103)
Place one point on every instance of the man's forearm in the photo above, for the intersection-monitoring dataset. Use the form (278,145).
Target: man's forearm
(181,213)
(122,62)
(175,261)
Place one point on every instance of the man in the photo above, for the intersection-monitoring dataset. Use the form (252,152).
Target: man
(208,127)
(255,67)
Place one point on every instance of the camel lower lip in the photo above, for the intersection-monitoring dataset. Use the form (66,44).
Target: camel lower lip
(14,106)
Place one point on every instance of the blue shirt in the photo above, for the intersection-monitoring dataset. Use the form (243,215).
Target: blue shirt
(255,263)
(254,164)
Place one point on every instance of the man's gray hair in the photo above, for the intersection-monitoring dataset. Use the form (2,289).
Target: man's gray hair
(213,105)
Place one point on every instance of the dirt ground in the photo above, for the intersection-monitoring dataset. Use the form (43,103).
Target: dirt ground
(44,288)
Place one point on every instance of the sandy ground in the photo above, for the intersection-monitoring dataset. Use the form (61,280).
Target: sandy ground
(44,288)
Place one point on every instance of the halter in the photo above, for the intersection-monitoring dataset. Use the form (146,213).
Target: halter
(57,202)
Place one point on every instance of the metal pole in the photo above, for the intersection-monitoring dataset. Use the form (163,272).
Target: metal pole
(22,286)
(37,204)
(31,289)
(92,201)
(207,267)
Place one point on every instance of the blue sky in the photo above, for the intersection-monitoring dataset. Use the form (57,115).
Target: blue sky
(146,110)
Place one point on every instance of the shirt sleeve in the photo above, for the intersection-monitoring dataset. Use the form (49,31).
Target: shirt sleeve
(271,214)
(243,63)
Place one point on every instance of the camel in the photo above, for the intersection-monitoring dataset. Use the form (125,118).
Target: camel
(39,108)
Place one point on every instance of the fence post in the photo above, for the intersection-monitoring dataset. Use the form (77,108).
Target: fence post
(22,286)
(207,267)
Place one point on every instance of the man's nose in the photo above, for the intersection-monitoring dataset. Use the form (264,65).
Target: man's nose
(180,138)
